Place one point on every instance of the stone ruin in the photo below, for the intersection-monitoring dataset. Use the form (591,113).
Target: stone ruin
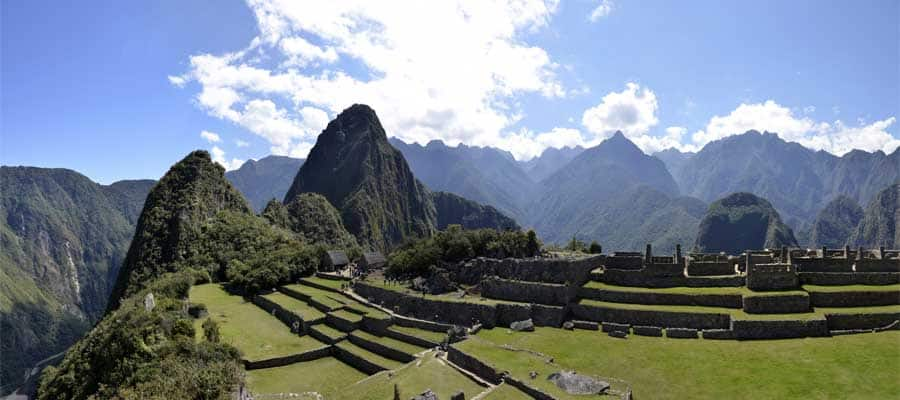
(576,384)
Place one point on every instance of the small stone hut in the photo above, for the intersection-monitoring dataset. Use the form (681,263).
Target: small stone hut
(334,260)
(372,260)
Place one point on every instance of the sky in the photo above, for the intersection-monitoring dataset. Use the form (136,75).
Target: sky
(122,90)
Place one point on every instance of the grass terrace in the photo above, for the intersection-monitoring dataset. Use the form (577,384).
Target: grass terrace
(751,293)
(329,283)
(347,315)
(670,290)
(429,372)
(435,337)
(328,331)
(256,333)
(388,342)
(328,298)
(735,313)
(860,310)
(327,376)
(504,391)
(368,355)
(854,366)
(308,312)
(853,288)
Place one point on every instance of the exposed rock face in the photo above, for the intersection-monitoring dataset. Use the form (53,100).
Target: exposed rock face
(577,384)
(367,180)
(742,221)
(311,216)
(63,239)
(880,225)
(192,191)
(265,179)
(836,222)
(452,209)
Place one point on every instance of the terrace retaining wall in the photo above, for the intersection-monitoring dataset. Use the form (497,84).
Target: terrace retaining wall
(365,366)
(527,292)
(381,349)
(421,324)
(776,304)
(838,322)
(535,393)
(340,323)
(316,354)
(709,300)
(283,315)
(408,338)
(782,329)
(457,313)
(641,279)
(653,318)
(849,278)
(547,270)
(543,315)
(854,298)
(473,365)
(707,268)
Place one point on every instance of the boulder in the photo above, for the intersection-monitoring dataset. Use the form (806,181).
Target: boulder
(568,325)
(576,384)
(522,326)
(618,334)
(426,395)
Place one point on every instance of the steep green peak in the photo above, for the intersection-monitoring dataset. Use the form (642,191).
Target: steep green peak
(317,221)
(357,122)
(880,225)
(742,221)
(193,190)
(836,222)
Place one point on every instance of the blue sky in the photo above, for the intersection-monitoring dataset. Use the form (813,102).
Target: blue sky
(121,90)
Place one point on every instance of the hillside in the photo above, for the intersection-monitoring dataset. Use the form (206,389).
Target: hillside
(550,161)
(597,197)
(483,174)
(880,225)
(193,190)
(63,240)
(836,222)
(739,222)
(264,179)
(311,216)
(452,209)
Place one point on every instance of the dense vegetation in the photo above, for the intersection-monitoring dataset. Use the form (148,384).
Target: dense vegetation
(416,257)
(836,222)
(313,218)
(264,179)
(455,210)
(138,352)
(193,190)
(880,225)
(62,239)
(742,221)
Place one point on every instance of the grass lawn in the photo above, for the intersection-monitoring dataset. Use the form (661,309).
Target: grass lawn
(412,379)
(328,298)
(863,366)
(256,333)
(853,288)
(389,342)
(347,315)
(326,376)
(860,310)
(506,392)
(329,283)
(737,314)
(306,311)
(326,330)
(369,356)
(435,337)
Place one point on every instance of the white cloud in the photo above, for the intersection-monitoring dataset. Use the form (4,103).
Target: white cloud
(241,143)
(602,10)
(178,81)
(837,138)
(218,155)
(211,137)
(632,111)
(438,70)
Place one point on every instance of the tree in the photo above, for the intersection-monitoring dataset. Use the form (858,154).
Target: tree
(595,248)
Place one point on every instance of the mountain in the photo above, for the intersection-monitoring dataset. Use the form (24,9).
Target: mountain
(836,222)
(483,174)
(607,193)
(193,190)
(264,179)
(550,161)
(797,180)
(312,217)
(674,159)
(63,239)
(742,221)
(880,225)
(452,209)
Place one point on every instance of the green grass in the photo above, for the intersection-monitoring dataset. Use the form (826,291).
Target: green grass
(852,288)
(328,298)
(326,330)
(256,333)
(435,337)
(862,366)
(370,311)
(389,342)
(347,315)
(672,290)
(327,376)
(329,283)
(306,311)
(860,310)
(368,355)
(504,391)
(414,378)
(777,293)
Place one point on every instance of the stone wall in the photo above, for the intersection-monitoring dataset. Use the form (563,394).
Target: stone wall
(302,297)
(860,321)
(365,366)
(652,318)
(771,277)
(287,317)
(509,313)
(854,298)
(409,339)
(708,300)
(316,354)
(543,315)
(381,349)
(710,268)
(639,278)
(875,265)
(823,264)
(421,324)
(473,365)
(681,333)
(858,278)
(449,312)
(528,292)
(340,323)
(547,270)
(777,303)
(631,261)
(531,391)
(781,329)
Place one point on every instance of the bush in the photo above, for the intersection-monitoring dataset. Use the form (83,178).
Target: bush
(211,330)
